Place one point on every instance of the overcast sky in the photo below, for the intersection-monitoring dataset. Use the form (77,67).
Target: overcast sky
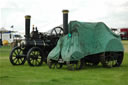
(47,14)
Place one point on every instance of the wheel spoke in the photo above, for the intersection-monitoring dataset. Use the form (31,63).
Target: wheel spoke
(60,32)
(55,31)
(14,59)
(32,61)
(21,59)
(18,61)
(32,53)
(18,50)
(35,62)
(15,53)
(38,61)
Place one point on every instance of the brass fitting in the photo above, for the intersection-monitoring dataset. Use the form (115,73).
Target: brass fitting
(65,11)
(27,17)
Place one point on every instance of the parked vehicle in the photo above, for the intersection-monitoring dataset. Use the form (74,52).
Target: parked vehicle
(35,47)
(124,33)
(86,43)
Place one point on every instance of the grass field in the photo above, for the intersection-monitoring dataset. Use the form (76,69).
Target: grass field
(26,75)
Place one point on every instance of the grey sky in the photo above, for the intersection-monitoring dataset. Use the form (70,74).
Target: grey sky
(47,14)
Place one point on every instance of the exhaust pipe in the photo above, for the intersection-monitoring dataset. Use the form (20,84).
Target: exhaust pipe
(27,26)
(65,21)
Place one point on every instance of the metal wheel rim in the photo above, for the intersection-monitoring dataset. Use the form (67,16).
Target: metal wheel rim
(111,59)
(17,57)
(35,57)
(55,31)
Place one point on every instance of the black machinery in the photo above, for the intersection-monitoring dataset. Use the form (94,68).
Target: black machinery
(36,45)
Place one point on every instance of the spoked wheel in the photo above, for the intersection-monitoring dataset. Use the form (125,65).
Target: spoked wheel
(119,59)
(35,56)
(112,59)
(17,57)
(51,64)
(57,31)
(54,64)
(74,65)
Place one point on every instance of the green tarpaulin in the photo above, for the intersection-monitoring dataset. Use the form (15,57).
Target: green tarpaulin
(84,39)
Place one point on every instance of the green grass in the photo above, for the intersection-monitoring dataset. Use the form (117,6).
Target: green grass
(26,75)
(5,51)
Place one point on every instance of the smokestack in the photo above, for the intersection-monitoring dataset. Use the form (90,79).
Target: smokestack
(65,21)
(27,26)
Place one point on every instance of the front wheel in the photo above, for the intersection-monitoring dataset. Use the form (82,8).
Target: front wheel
(75,65)
(17,56)
(52,64)
(35,56)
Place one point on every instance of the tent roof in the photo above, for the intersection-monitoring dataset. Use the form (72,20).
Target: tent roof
(3,30)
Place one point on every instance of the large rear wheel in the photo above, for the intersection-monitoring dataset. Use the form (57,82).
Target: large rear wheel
(57,31)
(112,59)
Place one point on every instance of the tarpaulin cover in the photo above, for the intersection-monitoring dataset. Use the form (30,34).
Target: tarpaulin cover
(85,39)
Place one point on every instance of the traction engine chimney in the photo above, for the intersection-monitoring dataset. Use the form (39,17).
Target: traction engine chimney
(27,26)
(65,21)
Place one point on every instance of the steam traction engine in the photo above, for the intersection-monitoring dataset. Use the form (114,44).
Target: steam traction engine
(82,44)
(35,47)
(86,43)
